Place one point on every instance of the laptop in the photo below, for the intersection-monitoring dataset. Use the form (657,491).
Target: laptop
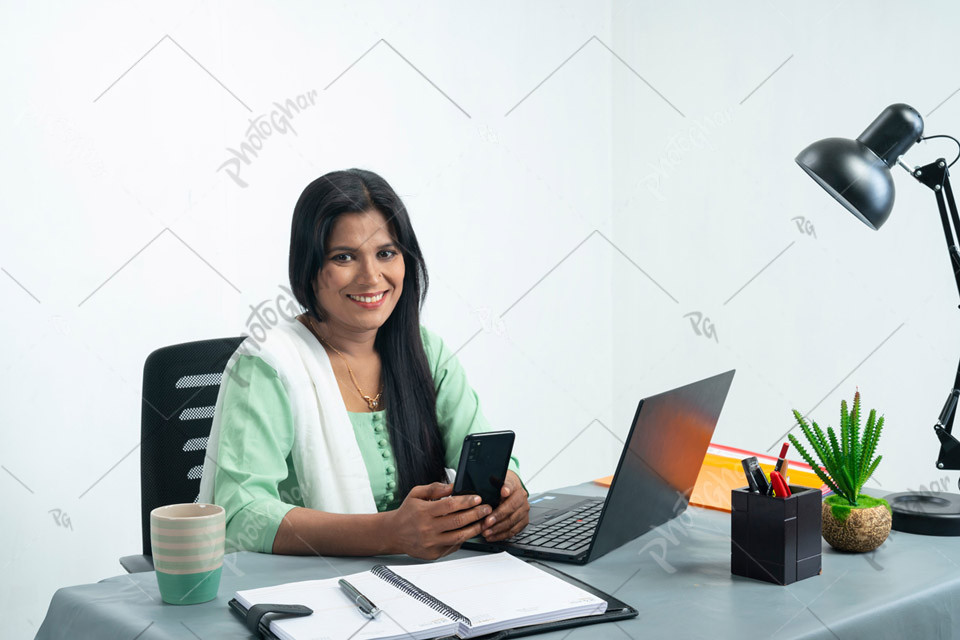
(658,468)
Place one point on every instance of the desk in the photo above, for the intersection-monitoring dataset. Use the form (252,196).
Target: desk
(677,575)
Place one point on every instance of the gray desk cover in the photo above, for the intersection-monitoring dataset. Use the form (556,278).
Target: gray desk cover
(678,576)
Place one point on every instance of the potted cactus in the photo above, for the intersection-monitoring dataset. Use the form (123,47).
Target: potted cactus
(852,521)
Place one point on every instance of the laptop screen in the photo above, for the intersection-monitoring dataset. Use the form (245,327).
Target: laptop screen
(661,460)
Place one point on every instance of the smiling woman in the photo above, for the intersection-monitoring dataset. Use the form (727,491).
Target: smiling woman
(364,278)
(354,407)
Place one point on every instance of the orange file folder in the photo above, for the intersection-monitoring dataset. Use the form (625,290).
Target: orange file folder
(722,471)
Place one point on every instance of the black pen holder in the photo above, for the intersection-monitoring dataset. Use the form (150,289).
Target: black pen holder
(775,539)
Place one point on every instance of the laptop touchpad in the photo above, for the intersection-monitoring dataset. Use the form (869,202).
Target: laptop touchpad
(547,506)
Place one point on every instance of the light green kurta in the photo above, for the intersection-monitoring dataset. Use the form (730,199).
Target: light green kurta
(255,479)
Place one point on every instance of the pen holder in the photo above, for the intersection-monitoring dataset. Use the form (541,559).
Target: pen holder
(775,539)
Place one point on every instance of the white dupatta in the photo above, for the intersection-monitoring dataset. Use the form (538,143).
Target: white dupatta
(326,456)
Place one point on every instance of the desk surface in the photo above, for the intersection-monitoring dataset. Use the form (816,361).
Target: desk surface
(677,576)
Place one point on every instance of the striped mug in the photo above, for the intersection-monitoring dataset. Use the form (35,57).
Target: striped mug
(187,541)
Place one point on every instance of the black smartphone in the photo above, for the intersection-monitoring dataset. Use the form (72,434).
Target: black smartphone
(483,465)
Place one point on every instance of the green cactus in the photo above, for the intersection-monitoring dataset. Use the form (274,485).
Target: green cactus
(843,465)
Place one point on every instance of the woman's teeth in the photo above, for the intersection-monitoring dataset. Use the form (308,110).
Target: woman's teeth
(375,298)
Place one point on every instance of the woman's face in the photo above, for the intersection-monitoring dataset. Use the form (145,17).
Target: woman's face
(362,262)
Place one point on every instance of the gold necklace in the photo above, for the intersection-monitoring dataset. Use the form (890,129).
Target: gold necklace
(373,403)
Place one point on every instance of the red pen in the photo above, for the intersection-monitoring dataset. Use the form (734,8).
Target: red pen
(780,488)
(783,454)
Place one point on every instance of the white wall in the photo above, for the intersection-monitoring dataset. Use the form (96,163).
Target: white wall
(705,202)
(572,227)
(125,237)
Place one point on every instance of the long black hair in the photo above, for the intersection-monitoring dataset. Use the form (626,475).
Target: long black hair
(408,387)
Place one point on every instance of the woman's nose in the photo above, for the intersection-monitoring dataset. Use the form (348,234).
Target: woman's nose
(370,270)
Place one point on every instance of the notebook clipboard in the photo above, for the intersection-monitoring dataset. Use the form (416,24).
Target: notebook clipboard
(616,610)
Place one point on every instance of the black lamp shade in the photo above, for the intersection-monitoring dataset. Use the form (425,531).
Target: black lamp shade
(857,172)
(854,175)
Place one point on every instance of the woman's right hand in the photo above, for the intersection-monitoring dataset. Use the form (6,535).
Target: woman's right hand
(428,528)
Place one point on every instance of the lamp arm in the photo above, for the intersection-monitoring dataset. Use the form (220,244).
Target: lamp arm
(950,233)
(936,175)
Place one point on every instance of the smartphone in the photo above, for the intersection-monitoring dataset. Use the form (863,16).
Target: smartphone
(483,465)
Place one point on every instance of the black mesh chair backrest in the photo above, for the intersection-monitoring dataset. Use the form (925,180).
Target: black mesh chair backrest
(180,386)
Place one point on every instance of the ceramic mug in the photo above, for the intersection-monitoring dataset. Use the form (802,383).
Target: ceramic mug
(187,541)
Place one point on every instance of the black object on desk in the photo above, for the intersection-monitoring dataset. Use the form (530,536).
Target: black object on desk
(858,174)
(659,463)
(253,617)
(775,539)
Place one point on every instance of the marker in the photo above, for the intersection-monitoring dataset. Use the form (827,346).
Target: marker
(749,473)
(780,488)
(363,603)
(751,466)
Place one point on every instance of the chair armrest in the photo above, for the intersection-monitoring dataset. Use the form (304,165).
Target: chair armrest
(137,564)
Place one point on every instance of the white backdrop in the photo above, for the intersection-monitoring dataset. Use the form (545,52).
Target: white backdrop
(605,194)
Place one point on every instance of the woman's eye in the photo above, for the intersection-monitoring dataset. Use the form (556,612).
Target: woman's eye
(388,253)
(337,257)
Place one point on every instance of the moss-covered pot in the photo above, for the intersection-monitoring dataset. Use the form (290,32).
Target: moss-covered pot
(861,528)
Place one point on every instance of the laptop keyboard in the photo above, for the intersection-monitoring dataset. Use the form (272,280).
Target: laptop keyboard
(572,531)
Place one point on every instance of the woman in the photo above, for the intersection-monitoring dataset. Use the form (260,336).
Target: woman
(332,435)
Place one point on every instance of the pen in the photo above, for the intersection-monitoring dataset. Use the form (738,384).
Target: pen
(366,607)
(783,454)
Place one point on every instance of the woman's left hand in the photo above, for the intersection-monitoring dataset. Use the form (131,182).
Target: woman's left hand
(511,515)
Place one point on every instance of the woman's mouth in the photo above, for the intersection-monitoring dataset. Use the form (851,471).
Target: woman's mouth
(369,301)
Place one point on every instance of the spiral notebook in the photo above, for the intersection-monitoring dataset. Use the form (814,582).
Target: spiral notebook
(463,598)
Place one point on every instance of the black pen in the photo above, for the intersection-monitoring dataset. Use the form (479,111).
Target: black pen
(366,607)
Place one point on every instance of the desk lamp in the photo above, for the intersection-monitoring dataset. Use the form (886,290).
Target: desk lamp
(858,174)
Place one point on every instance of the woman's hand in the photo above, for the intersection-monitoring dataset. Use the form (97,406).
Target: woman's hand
(512,515)
(427,527)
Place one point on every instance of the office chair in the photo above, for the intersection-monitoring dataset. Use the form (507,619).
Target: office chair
(180,386)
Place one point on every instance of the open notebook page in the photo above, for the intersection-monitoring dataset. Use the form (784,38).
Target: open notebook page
(500,591)
(335,617)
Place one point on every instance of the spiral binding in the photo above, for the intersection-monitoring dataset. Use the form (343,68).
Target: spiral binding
(412,590)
